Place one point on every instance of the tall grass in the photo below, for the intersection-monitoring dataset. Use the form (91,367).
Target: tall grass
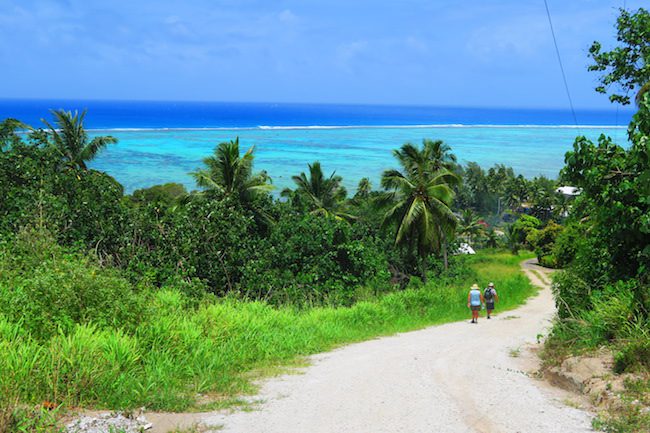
(177,352)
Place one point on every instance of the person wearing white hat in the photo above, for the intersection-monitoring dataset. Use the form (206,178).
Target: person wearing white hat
(490,296)
(474,302)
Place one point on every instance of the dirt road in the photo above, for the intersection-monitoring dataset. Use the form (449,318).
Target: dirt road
(452,378)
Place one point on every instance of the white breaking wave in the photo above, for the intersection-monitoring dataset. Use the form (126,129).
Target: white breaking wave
(326,127)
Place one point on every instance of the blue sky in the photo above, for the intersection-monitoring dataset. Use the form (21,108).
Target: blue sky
(462,53)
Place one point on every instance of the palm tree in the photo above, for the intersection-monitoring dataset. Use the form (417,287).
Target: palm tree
(324,195)
(421,196)
(516,192)
(230,174)
(440,154)
(510,238)
(435,154)
(491,238)
(363,189)
(71,140)
(469,225)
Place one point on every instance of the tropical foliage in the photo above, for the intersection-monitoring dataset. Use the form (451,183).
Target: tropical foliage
(71,141)
(627,66)
(320,194)
(230,174)
(420,198)
(603,295)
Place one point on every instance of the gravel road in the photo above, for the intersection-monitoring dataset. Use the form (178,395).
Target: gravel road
(453,378)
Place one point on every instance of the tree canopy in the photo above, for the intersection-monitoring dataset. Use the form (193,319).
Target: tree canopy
(627,66)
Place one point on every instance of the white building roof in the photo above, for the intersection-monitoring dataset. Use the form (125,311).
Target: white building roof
(568,190)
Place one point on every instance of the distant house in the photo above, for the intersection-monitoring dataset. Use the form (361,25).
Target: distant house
(464,248)
(569,191)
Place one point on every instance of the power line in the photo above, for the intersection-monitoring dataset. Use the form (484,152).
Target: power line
(559,58)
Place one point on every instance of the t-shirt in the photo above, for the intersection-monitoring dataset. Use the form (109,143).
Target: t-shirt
(475,297)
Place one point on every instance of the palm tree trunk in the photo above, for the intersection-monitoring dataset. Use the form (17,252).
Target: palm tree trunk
(424,270)
(443,235)
(423,267)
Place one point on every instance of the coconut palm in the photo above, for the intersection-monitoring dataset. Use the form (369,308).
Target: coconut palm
(363,189)
(516,192)
(323,195)
(440,154)
(469,225)
(421,196)
(70,138)
(230,174)
(435,154)
(511,237)
(491,238)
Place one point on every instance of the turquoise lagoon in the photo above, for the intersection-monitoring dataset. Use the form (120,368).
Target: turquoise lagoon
(145,157)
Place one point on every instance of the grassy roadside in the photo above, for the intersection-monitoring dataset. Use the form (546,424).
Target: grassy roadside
(610,331)
(179,352)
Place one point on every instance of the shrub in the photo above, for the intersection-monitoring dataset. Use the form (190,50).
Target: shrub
(78,206)
(314,259)
(49,289)
(543,241)
(566,245)
(634,353)
(523,227)
(204,238)
(162,195)
(572,294)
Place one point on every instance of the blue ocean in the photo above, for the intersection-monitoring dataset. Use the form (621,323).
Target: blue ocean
(163,141)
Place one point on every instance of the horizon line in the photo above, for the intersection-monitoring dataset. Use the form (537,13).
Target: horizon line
(352,104)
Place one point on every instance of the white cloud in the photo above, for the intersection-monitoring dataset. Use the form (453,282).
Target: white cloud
(287,16)
(521,37)
(416,44)
(350,50)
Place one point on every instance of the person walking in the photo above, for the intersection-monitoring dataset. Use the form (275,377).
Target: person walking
(490,296)
(474,301)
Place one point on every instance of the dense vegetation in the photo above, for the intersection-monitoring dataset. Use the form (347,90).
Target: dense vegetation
(312,245)
(151,298)
(603,295)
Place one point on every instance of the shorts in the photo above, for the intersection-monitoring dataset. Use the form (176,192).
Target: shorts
(489,305)
(476,308)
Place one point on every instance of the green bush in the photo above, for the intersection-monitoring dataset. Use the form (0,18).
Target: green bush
(572,294)
(525,224)
(166,194)
(204,238)
(566,245)
(604,317)
(312,259)
(633,354)
(543,242)
(78,206)
(50,290)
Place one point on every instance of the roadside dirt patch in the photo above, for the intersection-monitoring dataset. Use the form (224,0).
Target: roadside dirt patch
(592,376)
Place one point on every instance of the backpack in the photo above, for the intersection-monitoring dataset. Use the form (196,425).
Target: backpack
(488,294)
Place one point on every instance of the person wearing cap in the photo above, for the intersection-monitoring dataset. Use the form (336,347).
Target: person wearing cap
(474,301)
(490,296)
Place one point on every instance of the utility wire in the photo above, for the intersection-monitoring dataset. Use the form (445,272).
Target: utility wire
(557,51)
(618,135)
